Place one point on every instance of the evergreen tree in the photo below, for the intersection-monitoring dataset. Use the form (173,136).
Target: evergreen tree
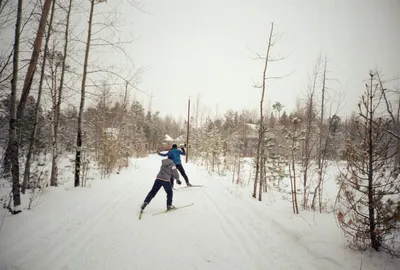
(369,193)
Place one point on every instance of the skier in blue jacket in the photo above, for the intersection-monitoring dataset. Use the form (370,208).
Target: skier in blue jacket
(176,153)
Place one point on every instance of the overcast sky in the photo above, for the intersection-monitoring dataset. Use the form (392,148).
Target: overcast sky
(204,47)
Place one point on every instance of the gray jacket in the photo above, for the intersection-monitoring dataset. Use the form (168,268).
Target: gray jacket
(167,170)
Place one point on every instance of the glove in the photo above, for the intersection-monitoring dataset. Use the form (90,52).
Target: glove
(179,182)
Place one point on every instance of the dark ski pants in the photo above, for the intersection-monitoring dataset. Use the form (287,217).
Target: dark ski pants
(156,187)
(182,171)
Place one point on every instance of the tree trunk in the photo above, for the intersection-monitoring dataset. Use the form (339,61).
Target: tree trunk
(307,149)
(308,144)
(82,102)
(54,161)
(323,155)
(262,173)
(238,171)
(371,201)
(234,170)
(37,45)
(213,161)
(257,169)
(318,188)
(37,107)
(295,206)
(13,141)
(261,129)
(291,188)
(188,131)
(15,121)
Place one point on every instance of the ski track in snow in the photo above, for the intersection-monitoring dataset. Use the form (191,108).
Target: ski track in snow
(54,228)
(65,235)
(285,235)
(91,228)
(250,237)
(98,228)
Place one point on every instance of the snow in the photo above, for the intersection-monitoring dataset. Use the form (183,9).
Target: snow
(180,138)
(97,228)
(168,138)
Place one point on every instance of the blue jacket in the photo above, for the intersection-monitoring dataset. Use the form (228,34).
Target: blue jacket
(175,154)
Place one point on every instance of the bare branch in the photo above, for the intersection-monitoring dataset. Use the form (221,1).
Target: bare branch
(374,122)
(388,104)
(280,77)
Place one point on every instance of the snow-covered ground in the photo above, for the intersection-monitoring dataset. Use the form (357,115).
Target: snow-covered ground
(97,228)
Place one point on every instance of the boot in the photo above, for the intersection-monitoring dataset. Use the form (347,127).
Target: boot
(170,207)
(144,205)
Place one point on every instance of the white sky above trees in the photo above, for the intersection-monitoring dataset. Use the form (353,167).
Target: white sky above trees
(204,49)
(192,48)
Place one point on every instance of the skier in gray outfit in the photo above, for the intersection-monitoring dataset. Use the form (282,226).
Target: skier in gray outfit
(163,179)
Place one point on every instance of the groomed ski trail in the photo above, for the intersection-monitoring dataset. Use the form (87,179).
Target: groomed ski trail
(98,228)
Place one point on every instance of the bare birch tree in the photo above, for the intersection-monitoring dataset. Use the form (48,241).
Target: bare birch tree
(38,100)
(14,146)
(82,100)
(293,138)
(13,138)
(260,174)
(309,140)
(260,150)
(99,42)
(318,188)
(57,109)
(327,131)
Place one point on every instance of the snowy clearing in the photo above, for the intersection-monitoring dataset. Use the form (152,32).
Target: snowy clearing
(97,228)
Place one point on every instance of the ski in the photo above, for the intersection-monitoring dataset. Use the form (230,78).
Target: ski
(176,208)
(140,214)
(192,186)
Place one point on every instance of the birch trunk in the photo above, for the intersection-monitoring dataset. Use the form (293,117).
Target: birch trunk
(261,129)
(37,107)
(13,141)
(55,156)
(321,155)
(82,102)
(371,191)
